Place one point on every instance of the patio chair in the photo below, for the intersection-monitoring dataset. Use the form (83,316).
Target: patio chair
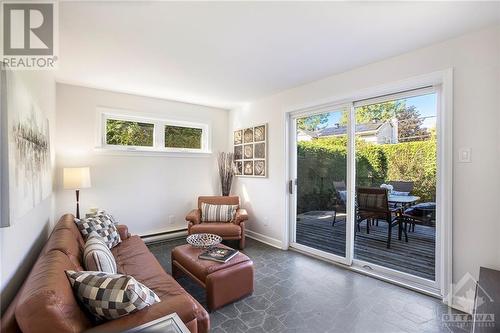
(402,186)
(423,213)
(339,199)
(373,203)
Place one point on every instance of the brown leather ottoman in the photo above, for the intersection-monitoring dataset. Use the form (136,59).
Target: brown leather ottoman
(223,282)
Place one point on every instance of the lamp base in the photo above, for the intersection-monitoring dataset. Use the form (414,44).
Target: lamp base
(77,204)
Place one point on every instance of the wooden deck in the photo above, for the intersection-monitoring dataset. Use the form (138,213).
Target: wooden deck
(417,257)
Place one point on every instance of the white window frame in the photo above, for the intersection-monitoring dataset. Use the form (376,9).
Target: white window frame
(104,114)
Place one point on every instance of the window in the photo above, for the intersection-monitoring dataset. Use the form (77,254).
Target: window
(183,137)
(121,131)
(129,133)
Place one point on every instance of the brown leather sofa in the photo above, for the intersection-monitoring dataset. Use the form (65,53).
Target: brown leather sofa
(46,302)
(227,230)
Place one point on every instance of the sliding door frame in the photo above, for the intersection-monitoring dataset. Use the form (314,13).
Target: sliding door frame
(292,178)
(442,287)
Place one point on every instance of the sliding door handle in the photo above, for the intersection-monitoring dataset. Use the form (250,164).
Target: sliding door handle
(290,186)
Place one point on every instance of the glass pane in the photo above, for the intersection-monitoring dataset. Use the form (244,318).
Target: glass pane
(183,137)
(321,181)
(396,150)
(129,133)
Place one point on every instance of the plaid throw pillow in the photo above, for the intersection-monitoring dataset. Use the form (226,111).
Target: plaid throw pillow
(110,296)
(217,213)
(102,226)
(97,256)
(103,214)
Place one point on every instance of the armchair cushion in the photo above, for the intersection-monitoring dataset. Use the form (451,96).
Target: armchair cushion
(217,213)
(223,229)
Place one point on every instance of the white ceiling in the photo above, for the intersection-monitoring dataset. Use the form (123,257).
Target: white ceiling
(226,53)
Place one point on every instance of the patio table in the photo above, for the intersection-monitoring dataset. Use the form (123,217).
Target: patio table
(403,199)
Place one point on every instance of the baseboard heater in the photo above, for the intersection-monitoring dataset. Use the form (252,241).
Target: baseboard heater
(172,234)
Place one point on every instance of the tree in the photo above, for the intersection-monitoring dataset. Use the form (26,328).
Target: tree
(183,137)
(410,125)
(129,133)
(409,121)
(380,112)
(313,123)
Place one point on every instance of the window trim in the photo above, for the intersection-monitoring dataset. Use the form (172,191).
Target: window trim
(158,133)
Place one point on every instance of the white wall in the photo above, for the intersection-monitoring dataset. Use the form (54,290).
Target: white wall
(475,59)
(20,243)
(139,190)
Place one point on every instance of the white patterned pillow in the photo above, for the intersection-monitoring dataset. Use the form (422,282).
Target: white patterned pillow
(97,256)
(104,214)
(110,296)
(217,213)
(102,226)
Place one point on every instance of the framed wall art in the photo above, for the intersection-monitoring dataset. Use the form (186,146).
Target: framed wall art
(25,164)
(250,151)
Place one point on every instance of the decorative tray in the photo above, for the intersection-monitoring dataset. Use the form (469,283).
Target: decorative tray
(203,240)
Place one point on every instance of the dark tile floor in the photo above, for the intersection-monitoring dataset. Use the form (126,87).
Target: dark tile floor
(297,293)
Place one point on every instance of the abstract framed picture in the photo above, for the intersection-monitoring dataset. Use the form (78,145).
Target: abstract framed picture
(250,151)
(4,156)
(26,156)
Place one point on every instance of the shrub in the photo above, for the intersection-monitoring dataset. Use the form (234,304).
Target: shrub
(322,161)
(414,161)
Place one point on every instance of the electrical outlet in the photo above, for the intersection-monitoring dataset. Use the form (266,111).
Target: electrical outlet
(171,219)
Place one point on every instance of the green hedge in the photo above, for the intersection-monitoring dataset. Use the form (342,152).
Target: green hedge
(414,161)
(323,161)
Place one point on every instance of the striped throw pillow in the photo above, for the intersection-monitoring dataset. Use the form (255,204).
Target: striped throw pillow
(97,256)
(217,213)
(110,296)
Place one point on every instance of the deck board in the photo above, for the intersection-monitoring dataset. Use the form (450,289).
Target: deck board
(415,257)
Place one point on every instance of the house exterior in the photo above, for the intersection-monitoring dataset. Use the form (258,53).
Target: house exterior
(303,135)
(374,132)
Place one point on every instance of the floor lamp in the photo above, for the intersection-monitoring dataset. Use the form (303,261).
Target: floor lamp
(76,179)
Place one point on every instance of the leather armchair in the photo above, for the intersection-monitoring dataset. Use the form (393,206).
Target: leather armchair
(234,230)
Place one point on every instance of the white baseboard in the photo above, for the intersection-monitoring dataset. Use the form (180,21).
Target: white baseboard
(166,236)
(264,239)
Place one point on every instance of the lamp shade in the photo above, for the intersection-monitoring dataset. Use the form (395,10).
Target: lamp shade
(76,178)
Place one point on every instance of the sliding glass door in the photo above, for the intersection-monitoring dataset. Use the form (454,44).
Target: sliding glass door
(321,165)
(396,154)
(363,185)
